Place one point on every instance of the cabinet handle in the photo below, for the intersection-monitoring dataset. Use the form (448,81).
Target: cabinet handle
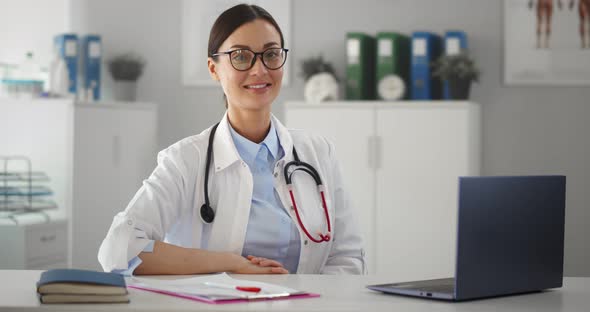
(374,152)
(371,152)
(378,152)
(49,238)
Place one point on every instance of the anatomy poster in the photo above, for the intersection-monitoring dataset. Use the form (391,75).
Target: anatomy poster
(547,42)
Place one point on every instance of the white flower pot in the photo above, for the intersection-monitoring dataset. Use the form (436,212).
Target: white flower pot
(125,90)
(321,87)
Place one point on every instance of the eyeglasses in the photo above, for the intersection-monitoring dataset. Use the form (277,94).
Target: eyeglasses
(244,59)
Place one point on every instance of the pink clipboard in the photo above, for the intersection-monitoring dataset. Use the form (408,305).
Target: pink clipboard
(222,301)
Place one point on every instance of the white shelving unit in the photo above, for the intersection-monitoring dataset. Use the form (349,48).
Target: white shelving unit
(401,162)
(96,156)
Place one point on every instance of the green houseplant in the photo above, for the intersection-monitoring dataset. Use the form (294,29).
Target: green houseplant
(458,70)
(316,65)
(126,70)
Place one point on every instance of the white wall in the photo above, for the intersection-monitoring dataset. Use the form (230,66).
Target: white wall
(30,25)
(526,130)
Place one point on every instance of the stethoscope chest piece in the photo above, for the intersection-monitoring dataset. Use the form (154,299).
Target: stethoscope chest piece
(207,214)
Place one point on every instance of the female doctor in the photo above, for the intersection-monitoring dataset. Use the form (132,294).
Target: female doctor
(246,195)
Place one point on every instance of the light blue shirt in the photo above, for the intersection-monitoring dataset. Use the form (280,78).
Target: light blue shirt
(271,233)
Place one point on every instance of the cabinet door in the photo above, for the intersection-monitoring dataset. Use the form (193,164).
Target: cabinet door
(351,129)
(424,149)
(114,152)
(46,244)
(136,154)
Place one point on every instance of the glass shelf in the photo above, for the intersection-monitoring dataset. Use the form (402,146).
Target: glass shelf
(22,191)
(34,205)
(24,176)
(35,190)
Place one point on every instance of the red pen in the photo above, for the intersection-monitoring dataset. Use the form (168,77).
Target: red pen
(248,288)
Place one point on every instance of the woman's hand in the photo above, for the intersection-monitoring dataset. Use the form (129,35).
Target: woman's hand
(258,265)
(264,262)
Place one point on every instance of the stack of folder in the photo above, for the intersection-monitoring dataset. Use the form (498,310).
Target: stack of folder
(360,66)
(455,43)
(426,48)
(393,66)
(81,286)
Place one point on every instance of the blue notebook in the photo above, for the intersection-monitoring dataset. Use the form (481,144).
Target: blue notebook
(81,276)
(76,286)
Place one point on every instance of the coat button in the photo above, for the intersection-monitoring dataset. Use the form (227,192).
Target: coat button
(276,174)
(129,222)
(305,242)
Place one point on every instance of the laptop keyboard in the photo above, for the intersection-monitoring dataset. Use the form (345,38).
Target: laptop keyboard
(444,285)
(439,288)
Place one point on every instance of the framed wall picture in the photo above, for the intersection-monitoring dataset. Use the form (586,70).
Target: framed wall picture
(197,19)
(547,42)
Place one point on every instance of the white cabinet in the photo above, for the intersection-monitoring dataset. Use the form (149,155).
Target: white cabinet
(401,162)
(115,150)
(34,245)
(96,154)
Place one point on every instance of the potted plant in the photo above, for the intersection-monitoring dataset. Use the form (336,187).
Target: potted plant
(458,71)
(321,83)
(126,70)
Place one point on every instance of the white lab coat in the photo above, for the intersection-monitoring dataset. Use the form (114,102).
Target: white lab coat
(167,206)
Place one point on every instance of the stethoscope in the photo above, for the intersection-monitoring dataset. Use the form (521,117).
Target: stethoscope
(208,214)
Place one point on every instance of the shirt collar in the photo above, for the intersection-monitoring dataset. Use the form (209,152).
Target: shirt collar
(248,150)
(225,152)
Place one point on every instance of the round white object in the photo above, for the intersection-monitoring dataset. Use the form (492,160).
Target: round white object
(391,87)
(321,87)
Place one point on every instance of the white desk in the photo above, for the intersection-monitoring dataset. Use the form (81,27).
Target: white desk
(339,293)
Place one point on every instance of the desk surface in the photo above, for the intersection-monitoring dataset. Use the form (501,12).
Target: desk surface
(338,293)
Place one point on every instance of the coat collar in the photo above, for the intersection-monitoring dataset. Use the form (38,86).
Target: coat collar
(225,152)
(285,138)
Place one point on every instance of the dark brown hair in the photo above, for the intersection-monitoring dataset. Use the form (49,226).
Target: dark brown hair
(231,19)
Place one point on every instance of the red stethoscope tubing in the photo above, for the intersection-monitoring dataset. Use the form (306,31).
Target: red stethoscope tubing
(323,237)
(309,169)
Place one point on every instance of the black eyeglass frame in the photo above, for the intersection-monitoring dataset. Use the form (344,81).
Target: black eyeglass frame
(254,58)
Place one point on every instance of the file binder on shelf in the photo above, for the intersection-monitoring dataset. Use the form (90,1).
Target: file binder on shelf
(360,66)
(455,43)
(426,48)
(67,47)
(91,55)
(393,66)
